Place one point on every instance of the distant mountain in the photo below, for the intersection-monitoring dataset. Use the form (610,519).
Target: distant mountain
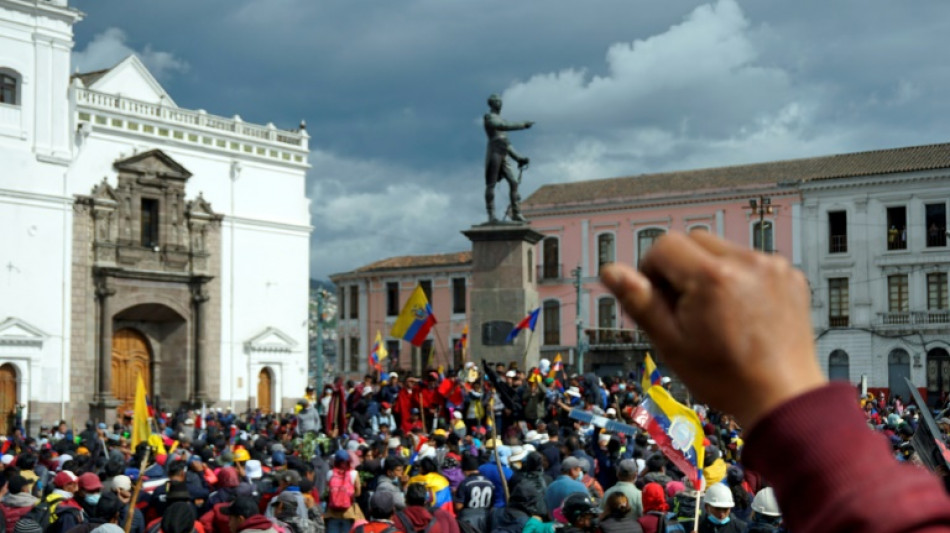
(325,284)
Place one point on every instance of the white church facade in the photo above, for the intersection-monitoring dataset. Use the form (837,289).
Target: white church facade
(140,238)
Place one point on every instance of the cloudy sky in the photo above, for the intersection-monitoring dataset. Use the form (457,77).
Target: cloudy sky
(393,91)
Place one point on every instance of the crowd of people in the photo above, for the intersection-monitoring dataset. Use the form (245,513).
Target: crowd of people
(509,450)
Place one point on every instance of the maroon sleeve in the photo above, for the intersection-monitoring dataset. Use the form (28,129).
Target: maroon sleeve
(832,473)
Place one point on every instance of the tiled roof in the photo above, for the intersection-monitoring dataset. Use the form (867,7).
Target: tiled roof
(88,78)
(912,158)
(418,261)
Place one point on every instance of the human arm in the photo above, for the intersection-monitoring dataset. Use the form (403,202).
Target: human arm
(497,123)
(734,325)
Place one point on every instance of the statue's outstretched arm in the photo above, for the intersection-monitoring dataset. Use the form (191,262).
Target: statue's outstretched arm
(501,124)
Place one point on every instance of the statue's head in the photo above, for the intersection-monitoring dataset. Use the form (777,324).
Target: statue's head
(494,102)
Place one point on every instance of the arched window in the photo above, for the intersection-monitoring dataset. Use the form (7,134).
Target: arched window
(838,366)
(607,313)
(551,316)
(762,233)
(605,249)
(551,268)
(9,86)
(645,240)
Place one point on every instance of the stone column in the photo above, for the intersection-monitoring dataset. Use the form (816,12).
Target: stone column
(199,298)
(103,407)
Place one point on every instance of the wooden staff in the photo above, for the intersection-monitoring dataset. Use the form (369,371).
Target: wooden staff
(136,490)
(494,438)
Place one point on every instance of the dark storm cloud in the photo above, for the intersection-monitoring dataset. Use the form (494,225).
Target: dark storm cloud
(393,91)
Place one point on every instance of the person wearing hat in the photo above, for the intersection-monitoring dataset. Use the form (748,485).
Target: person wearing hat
(345,482)
(532,473)
(718,504)
(121,485)
(626,483)
(17,501)
(244,515)
(197,478)
(766,515)
(286,508)
(384,418)
(490,469)
(90,489)
(569,482)
(104,517)
(581,514)
(655,509)
(65,512)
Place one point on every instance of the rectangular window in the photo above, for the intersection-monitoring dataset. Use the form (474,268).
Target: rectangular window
(551,268)
(392,361)
(936,224)
(552,323)
(645,240)
(937,291)
(354,354)
(458,295)
(897,228)
(838,302)
(354,301)
(607,313)
(426,285)
(605,249)
(149,222)
(762,233)
(341,303)
(392,299)
(8,86)
(897,300)
(837,232)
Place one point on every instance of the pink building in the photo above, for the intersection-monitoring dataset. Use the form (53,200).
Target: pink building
(371,297)
(590,223)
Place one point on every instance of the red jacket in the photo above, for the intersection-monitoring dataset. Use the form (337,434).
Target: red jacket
(841,476)
(215,521)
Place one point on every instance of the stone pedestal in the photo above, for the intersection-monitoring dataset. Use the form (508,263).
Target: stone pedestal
(504,290)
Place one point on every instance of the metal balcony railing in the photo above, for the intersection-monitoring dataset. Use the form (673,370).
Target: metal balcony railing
(614,336)
(838,244)
(903,318)
(839,321)
(548,272)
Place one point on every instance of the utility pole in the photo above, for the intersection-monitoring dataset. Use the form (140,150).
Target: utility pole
(577,320)
(761,206)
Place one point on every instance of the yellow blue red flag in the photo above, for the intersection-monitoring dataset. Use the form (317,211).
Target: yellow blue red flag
(140,429)
(378,352)
(651,375)
(676,430)
(415,320)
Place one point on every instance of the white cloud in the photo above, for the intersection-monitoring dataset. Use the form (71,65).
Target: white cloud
(109,47)
(364,211)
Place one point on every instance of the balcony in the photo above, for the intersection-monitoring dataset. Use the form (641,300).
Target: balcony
(839,321)
(838,244)
(614,338)
(907,318)
(550,272)
(896,239)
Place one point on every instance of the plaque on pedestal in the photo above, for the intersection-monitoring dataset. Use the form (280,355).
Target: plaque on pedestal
(504,290)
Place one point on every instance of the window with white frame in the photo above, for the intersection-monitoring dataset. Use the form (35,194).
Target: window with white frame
(607,313)
(605,249)
(762,236)
(645,240)
(9,87)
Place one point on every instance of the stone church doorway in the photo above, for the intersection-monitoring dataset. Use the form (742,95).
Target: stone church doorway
(7,398)
(130,357)
(265,398)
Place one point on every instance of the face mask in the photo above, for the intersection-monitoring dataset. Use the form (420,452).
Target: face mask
(717,521)
(579,476)
(92,499)
(622,387)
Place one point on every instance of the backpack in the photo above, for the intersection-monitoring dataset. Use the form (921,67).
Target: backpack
(48,516)
(341,490)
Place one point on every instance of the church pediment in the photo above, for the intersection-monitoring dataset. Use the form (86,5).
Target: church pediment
(103,192)
(201,208)
(154,163)
(271,340)
(16,332)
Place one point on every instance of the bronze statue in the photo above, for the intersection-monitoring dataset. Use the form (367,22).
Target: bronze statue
(496,160)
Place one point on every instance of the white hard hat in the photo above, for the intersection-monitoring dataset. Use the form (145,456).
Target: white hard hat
(719,496)
(765,503)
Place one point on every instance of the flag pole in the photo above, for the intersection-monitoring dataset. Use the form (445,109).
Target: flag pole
(527,347)
(442,344)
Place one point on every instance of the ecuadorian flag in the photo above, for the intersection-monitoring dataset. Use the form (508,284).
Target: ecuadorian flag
(676,430)
(651,375)
(440,489)
(415,320)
